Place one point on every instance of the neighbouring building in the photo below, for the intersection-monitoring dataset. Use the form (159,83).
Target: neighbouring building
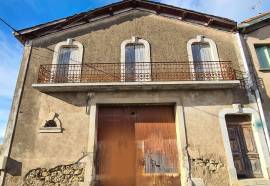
(256,46)
(135,93)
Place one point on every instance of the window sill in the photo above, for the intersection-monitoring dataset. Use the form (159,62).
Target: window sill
(264,69)
(50,130)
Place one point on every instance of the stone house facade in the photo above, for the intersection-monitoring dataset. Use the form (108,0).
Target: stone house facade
(134,93)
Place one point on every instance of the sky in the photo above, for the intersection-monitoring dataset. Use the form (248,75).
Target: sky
(25,13)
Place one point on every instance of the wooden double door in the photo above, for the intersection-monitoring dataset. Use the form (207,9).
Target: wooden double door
(244,151)
(137,146)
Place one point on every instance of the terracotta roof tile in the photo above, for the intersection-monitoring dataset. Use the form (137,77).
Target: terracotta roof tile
(255,17)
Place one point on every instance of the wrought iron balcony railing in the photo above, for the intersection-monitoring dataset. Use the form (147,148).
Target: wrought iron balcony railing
(136,72)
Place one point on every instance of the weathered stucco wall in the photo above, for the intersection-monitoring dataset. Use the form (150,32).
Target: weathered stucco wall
(167,37)
(101,41)
(32,149)
(201,116)
(260,36)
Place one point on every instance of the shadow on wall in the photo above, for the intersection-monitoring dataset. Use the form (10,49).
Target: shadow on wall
(13,167)
(190,98)
(259,82)
(76,99)
(264,96)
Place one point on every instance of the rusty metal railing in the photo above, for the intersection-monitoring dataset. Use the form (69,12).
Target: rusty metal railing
(139,71)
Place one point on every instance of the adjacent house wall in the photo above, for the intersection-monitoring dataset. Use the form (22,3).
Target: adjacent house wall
(260,36)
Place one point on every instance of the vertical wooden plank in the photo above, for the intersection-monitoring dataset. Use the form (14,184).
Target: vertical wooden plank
(155,127)
(250,149)
(237,152)
(116,147)
(137,146)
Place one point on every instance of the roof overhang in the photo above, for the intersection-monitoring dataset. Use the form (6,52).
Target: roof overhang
(159,8)
(254,24)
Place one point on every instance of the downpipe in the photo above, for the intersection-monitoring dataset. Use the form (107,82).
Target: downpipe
(256,93)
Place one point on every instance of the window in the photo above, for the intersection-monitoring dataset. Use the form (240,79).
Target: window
(135,52)
(202,49)
(68,55)
(135,69)
(263,54)
(203,55)
(67,62)
(201,52)
(135,59)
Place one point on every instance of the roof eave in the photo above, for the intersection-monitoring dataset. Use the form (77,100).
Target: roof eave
(36,31)
(246,28)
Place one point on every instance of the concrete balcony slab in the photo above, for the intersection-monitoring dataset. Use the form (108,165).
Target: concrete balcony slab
(124,86)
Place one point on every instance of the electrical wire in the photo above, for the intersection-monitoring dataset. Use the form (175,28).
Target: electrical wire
(8,25)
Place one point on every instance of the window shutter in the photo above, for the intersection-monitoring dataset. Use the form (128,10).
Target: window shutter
(64,56)
(139,53)
(68,55)
(136,66)
(135,53)
(130,53)
(74,56)
(201,52)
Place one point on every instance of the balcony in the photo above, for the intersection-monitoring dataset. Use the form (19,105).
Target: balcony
(144,75)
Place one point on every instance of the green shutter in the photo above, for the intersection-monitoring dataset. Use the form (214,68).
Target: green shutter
(263,53)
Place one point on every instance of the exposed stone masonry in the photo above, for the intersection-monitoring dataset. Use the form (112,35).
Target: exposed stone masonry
(212,166)
(60,175)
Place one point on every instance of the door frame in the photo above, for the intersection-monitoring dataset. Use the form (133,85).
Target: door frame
(259,137)
(95,101)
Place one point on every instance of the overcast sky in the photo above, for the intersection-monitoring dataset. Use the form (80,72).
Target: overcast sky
(25,13)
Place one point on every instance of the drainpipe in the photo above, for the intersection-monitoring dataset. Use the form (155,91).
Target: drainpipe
(256,97)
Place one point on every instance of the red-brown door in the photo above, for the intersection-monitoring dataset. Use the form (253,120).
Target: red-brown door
(137,146)
(245,155)
(116,147)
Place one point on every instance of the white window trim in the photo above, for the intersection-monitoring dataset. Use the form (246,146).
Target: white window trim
(202,39)
(123,51)
(259,137)
(67,43)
